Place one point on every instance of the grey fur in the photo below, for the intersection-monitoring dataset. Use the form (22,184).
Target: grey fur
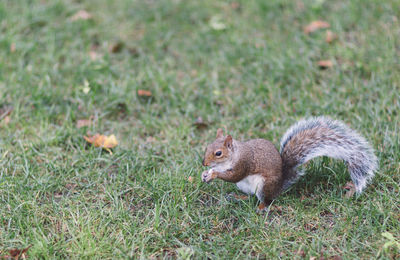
(322,136)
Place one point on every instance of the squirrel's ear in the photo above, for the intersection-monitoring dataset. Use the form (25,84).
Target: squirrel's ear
(228,141)
(220,133)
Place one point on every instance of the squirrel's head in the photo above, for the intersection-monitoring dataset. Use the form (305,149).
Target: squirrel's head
(219,151)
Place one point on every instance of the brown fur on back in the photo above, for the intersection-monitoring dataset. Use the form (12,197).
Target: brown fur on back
(268,163)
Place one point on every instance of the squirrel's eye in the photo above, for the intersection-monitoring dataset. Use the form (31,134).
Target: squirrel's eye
(219,153)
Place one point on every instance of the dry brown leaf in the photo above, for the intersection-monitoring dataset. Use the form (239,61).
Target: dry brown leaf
(200,124)
(325,64)
(12,47)
(18,253)
(316,25)
(81,15)
(350,189)
(240,197)
(116,47)
(103,141)
(144,93)
(330,36)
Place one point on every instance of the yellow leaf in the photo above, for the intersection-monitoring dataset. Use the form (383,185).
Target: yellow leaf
(103,141)
(110,141)
(316,25)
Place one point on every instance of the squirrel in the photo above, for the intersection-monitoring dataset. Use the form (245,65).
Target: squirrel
(258,168)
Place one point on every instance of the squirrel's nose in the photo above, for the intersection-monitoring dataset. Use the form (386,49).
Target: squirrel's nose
(204,162)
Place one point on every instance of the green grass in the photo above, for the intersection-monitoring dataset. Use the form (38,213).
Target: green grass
(255,78)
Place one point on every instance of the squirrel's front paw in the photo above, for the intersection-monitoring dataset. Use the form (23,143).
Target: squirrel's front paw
(207,176)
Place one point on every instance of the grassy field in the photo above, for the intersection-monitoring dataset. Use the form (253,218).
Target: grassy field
(247,66)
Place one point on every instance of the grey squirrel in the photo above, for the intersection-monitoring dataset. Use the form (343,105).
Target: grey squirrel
(258,168)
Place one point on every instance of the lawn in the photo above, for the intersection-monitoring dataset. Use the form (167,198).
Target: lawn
(245,66)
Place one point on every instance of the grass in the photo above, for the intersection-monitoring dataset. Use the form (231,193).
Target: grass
(255,78)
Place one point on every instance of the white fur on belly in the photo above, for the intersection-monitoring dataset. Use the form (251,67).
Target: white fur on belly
(252,184)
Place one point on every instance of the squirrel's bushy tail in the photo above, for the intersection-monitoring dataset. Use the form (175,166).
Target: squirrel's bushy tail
(322,136)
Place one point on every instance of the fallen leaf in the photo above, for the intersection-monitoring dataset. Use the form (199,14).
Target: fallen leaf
(81,15)
(83,122)
(235,5)
(330,36)
(325,64)
(350,189)
(241,197)
(103,141)
(144,93)
(200,124)
(316,25)
(116,47)
(18,253)
(216,23)
(190,179)
(12,47)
